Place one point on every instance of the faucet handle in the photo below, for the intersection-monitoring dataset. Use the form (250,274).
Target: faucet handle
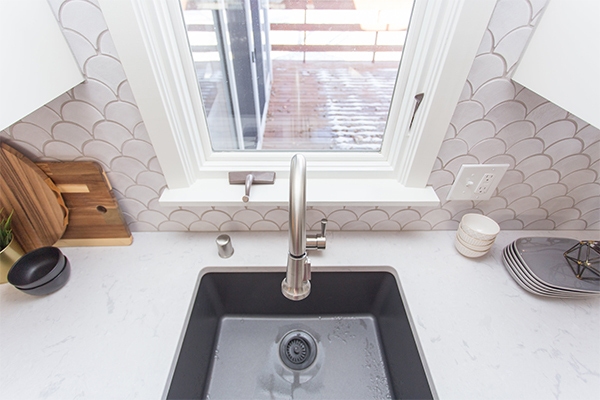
(319,241)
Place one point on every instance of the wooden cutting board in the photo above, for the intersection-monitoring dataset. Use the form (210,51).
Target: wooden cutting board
(40,215)
(95,218)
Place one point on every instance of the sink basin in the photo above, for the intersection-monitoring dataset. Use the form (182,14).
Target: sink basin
(351,338)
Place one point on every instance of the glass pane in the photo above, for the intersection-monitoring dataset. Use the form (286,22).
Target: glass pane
(203,36)
(297,74)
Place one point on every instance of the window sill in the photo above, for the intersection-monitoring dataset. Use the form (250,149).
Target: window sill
(319,192)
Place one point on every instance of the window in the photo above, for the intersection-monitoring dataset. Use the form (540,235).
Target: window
(437,59)
(306,75)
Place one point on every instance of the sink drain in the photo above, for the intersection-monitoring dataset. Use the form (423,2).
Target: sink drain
(297,350)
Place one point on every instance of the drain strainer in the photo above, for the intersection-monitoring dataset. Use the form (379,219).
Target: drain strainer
(297,349)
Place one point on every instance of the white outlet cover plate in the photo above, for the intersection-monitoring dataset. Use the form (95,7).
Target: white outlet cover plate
(468,179)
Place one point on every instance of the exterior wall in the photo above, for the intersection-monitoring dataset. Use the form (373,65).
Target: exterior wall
(552,183)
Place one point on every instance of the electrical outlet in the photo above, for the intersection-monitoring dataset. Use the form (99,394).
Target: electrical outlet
(485,183)
(476,181)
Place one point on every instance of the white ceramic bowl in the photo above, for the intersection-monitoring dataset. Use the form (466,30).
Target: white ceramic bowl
(479,226)
(466,239)
(473,247)
(466,251)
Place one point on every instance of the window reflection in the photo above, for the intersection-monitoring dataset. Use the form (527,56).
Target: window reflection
(296,74)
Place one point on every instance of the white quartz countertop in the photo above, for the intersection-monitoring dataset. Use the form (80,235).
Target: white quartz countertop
(112,332)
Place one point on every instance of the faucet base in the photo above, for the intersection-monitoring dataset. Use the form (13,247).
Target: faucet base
(295,294)
(296,285)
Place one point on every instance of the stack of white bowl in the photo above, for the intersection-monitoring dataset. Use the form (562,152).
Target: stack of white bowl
(475,235)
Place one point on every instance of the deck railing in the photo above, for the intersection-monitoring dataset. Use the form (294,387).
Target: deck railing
(349,29)
(366,28)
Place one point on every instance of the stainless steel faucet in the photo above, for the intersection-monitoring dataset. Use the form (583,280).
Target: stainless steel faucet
(296,284)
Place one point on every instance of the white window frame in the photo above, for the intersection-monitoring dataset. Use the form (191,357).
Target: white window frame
(156,58)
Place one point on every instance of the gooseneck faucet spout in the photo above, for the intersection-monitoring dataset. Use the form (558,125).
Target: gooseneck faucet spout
(297,217)
(296,284)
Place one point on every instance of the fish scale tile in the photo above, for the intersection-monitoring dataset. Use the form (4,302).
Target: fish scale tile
(512,45)
(554,157)
(70,17)
(58,150)
(572,163)
(44,118)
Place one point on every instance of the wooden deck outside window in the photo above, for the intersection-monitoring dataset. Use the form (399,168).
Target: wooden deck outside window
(330,105)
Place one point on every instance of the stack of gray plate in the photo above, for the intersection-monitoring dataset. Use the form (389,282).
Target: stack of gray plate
(539,266)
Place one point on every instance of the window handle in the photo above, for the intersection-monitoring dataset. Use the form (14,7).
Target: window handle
(248,184)
(249,178)
(418,100)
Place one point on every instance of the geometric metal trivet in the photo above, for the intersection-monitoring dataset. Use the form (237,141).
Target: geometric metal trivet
(584,260)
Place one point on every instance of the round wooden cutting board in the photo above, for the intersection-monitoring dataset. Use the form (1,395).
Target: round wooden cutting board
(40,215)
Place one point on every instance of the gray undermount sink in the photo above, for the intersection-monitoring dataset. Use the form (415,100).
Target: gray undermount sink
(349,339)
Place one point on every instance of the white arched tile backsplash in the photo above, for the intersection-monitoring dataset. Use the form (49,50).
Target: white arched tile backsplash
(552,183)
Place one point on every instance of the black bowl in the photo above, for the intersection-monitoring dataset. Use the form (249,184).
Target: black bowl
(36,268)
(53,285)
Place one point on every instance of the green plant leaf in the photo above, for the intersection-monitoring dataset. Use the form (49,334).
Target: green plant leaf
(6,234)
